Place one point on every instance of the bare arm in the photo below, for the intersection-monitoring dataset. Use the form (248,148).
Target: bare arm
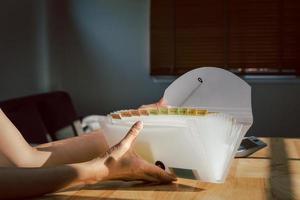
(120,162)
(15,151)
(13,146)
(30,182)
(72,150)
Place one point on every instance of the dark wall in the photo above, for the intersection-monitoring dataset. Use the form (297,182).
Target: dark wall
(99,50)
(276,107)
(21,69)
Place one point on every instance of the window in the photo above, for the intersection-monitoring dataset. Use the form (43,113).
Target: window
(244,36)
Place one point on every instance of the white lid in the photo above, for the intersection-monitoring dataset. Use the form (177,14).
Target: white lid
(214,89)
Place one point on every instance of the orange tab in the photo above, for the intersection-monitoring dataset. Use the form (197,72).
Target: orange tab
(115,116)
(125,114)
(143,112)
(135,113)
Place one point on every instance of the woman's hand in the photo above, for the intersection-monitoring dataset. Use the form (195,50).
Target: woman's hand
(162,103)
(122,163)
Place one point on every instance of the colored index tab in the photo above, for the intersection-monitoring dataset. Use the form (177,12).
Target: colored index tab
(173,111)
(125,114)
(135,112)
(182,111)
(201,112)
(153,111)
(163,111)
(144,112)
(115,116)
(191,111)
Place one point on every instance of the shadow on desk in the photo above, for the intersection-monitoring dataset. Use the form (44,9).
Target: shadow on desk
(264,158)
(111,187)
(273,173)
(281,163)
(139,186)
(174,187)
(280,174)
(60,197)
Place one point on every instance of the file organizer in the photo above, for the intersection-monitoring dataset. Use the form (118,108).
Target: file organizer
(209,114)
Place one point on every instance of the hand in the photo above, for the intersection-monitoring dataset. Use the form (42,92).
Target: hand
(162,103)
(122,163)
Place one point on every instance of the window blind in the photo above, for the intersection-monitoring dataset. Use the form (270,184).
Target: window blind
(247,37)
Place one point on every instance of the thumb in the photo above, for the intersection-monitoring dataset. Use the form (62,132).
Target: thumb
(132,134)
(162,103)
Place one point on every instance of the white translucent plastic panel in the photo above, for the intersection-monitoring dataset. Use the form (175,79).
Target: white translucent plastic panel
(214,89)
(200,145)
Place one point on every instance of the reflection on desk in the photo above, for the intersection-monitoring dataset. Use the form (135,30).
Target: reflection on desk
(272,173)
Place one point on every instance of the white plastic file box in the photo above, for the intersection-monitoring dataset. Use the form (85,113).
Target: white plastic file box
(209,114)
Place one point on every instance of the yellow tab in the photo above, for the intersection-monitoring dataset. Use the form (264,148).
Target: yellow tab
(192,111)
(173,111)
(182,111)
(201,112)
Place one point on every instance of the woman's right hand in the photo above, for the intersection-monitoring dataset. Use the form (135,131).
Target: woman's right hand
(121,163)
(162,103)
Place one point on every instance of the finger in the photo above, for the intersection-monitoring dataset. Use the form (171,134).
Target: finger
(132,134)
(124,145)
(159,174)
(149,178)
(162,103)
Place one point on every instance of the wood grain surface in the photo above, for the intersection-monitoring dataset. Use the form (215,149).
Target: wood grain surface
(271,173)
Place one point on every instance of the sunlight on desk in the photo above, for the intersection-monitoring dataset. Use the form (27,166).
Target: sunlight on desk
(272,173)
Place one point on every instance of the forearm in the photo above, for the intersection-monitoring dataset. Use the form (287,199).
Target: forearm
(13,147)
(26,182)
(30,182)
(73,150)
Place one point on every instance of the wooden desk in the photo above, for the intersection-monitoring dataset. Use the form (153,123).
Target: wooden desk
(272,173)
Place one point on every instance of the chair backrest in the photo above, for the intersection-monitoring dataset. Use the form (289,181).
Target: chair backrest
(38,115)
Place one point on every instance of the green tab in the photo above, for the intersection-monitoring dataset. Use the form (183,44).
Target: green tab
(182,111)
(173,111)
(153,112)
(163,111)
